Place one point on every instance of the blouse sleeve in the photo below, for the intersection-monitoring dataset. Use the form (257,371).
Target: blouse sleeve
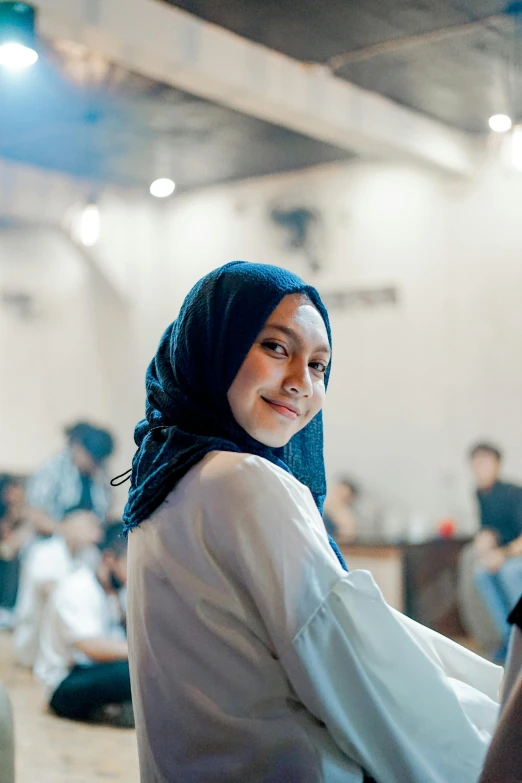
(387,703)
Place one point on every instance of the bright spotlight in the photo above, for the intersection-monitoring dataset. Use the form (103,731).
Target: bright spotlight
(89,225)
(161,188)
(17,37)
(15,56)
(500,123)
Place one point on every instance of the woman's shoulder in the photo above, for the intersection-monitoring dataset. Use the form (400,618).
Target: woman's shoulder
(228,464)
(233,475)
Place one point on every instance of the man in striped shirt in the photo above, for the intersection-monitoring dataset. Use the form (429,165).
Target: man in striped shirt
(75,478)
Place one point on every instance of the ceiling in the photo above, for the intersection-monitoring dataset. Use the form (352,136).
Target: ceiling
(78,114)
(460,80)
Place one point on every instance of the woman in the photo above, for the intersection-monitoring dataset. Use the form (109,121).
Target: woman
(255,656)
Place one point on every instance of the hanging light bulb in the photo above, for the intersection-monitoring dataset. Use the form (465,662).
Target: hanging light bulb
(89,225)
(17,37)
(500,123)
(161,188)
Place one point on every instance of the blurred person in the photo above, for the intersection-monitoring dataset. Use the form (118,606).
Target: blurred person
(503,762)
(116,525)
(74,478)
(498,544)
(15,533)
(83,659)
(47,562)
(513,672)
(338,515)
(348,514)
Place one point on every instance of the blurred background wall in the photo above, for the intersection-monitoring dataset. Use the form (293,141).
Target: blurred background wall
(414,381)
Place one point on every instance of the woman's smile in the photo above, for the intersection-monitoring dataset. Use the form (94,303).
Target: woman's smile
(283,408)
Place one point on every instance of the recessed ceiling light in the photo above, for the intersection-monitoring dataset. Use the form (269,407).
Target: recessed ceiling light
(161,188)
(500,123)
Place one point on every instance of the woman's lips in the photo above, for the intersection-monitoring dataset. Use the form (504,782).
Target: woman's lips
(289,413)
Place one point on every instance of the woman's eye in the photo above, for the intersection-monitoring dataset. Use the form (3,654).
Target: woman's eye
(318,366)
(272,346)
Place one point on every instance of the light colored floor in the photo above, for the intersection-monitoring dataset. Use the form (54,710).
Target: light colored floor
(52,750)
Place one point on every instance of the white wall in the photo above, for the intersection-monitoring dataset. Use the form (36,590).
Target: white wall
(50,366)
(72,357)
(412,386)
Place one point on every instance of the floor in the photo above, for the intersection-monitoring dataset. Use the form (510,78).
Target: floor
(52,750)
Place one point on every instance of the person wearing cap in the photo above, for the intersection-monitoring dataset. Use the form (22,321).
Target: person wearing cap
(74,478)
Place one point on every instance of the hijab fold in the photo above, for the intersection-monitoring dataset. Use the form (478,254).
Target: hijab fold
(187,413)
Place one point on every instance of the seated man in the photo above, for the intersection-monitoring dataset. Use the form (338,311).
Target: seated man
(498,545)
(83,659)
(46,562)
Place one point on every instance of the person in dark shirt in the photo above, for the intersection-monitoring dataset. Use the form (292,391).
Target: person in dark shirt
(498,544)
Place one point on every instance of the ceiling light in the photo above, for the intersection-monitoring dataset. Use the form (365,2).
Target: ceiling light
(161,188)
(500,123)
(89,225)
(17,39)
(15,56)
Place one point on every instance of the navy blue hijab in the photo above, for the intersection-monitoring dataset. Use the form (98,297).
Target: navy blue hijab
(187,412)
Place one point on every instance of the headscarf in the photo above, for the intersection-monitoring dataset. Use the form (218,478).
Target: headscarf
(187,410)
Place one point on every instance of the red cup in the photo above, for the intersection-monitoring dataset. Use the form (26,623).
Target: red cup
(447,528)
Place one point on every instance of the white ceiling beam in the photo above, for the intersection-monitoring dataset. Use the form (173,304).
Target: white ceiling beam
(170,45)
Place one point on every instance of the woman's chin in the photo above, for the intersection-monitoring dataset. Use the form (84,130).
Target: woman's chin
(274,440)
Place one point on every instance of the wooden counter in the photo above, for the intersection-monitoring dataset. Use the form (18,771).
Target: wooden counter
(418,579)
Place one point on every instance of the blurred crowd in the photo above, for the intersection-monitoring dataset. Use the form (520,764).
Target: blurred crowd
(490,570)
(63,571)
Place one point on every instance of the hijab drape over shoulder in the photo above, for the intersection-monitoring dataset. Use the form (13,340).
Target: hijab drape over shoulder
(187,410)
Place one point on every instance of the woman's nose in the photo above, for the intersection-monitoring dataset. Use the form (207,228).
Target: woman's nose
(298,380)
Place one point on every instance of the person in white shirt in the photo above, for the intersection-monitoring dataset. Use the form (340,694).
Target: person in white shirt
(46,562)
(82,659)
(255,654)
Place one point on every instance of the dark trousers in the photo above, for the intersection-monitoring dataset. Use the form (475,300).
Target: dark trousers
(9,578)
(88,688)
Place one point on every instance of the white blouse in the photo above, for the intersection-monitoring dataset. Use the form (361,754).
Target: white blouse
(256,659)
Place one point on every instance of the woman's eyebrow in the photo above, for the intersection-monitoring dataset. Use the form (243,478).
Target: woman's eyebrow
(295,336)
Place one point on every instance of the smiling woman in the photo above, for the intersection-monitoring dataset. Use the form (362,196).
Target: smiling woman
(254,654)
(280,385)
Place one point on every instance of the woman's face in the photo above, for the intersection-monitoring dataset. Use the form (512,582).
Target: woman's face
(280,386)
